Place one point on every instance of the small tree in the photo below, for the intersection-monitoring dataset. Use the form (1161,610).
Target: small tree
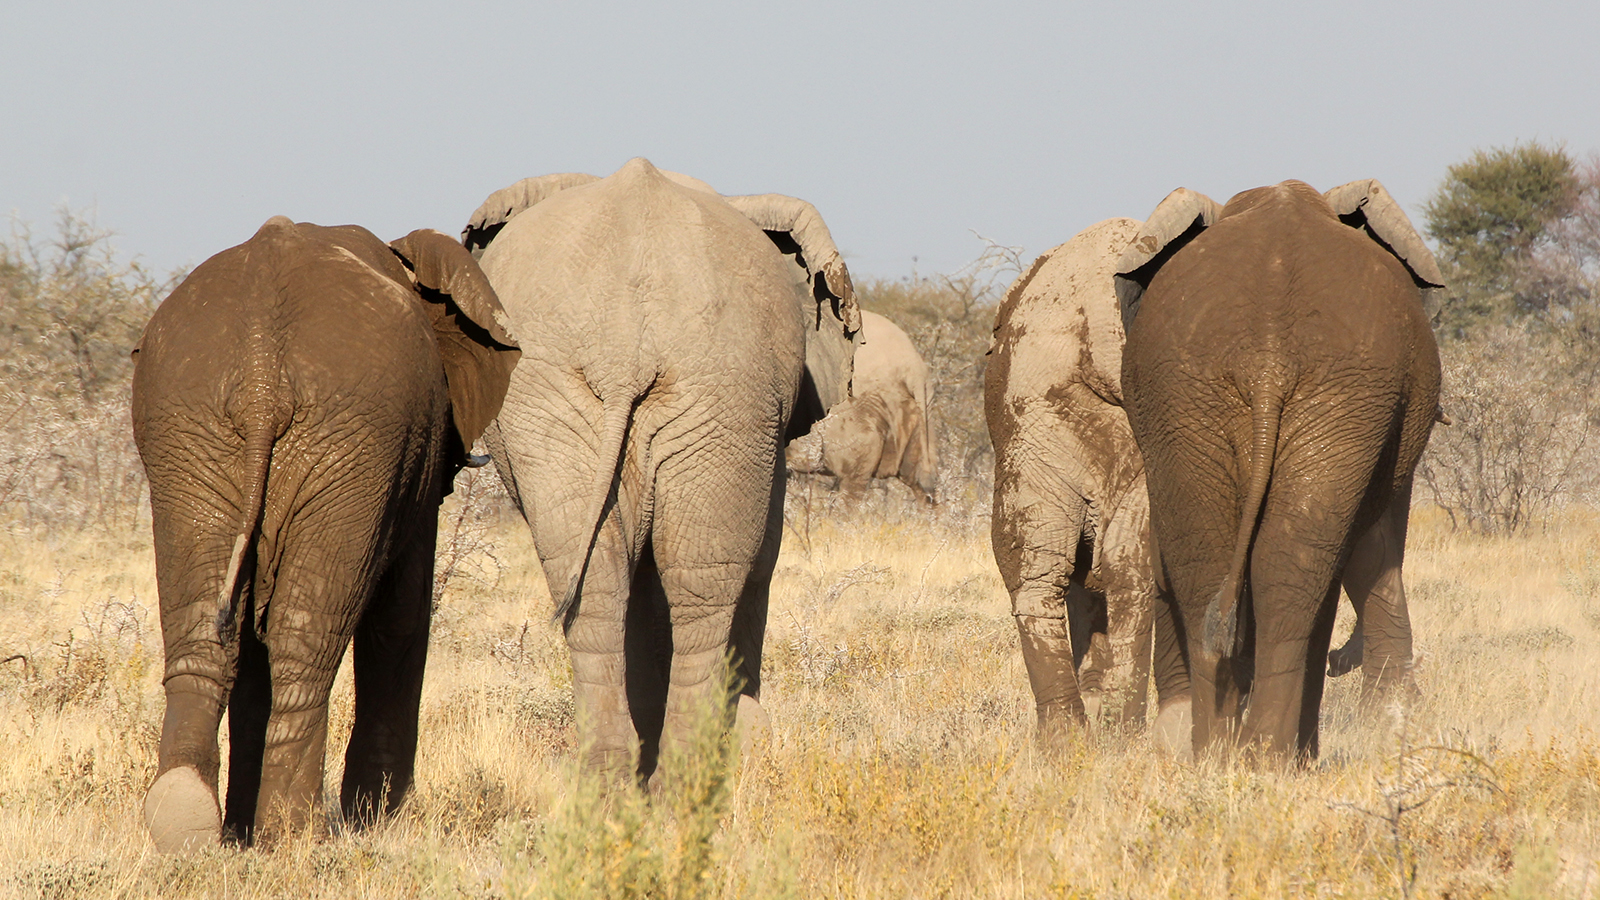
(1490,216)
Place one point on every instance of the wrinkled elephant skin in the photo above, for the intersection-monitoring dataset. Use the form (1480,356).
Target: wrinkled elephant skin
(301,403)
(671,340)
(1281,380)
(885,430)
(1069,527)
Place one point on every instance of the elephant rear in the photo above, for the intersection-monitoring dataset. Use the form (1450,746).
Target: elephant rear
(1281,379)
(672,339)
(1068,528)
(293,411)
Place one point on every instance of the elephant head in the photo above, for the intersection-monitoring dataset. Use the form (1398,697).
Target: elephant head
(1363,205)
(794,226)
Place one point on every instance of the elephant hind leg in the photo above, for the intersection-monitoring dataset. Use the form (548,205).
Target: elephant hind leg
(321,586)
(248,707)
(390,653)
(180,809)
(1290,646)
(1381,643)
(647,643)
(711,522)
(597,642)
(1037,536)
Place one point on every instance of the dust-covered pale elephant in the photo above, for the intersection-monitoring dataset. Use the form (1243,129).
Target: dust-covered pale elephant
(1281,380)
(885,430)
(1070,525)
(301,403)
(672,339)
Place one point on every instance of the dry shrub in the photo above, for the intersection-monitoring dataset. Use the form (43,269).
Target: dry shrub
(900,762)
(613,841)
(1522,437)
(70,315)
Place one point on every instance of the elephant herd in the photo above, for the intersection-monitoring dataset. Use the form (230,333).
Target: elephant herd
(1204,425)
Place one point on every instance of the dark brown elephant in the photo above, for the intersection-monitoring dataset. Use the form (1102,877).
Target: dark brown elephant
(1281,380)
(885,429)
(301,403)
(1070,525)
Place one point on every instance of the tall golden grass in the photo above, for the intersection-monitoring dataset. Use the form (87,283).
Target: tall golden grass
(900,761)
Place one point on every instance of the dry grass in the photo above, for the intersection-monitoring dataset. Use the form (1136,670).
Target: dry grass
(900,762)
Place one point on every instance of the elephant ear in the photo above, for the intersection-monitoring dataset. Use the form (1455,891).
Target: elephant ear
(502,205)
(1366,205)
(834,324)
(475,341)
(1176,221)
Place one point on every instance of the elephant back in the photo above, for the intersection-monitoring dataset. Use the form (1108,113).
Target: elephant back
(1061,322)
(887,361)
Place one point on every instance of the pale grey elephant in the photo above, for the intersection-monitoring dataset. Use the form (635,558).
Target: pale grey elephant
(886,429)
(672,339)
(1071,517)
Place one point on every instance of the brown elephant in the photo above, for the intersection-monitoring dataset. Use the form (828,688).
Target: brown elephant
(885,430)
(1281,380)
(1070,524)
(673,339)
(302,402)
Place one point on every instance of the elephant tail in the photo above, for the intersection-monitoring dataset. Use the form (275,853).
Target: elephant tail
(257,460)
(1222,633)
(615,412)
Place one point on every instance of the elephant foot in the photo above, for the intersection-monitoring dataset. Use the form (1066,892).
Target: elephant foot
(1092,704)
(181,812)
(1346,659)
(752,726)
(1392,685)
(611,765)
(1174,729)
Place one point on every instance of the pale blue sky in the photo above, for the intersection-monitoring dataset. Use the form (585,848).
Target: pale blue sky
(186,125)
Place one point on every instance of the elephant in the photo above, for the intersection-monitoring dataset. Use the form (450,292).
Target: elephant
(1281,380)
(301,404)
(885,430)
(1070,525)
(673,340)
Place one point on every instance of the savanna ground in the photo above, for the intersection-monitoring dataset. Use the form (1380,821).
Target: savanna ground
(900,760)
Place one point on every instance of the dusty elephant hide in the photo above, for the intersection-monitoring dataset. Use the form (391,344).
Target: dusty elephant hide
(1281,380)
(672,339)
(885,430)
(301,403)
(1069,528)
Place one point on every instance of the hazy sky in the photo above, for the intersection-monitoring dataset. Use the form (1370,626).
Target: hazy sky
(186,125)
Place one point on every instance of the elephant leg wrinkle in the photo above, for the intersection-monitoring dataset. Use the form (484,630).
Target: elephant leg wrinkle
(1047,654)
(602,712)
